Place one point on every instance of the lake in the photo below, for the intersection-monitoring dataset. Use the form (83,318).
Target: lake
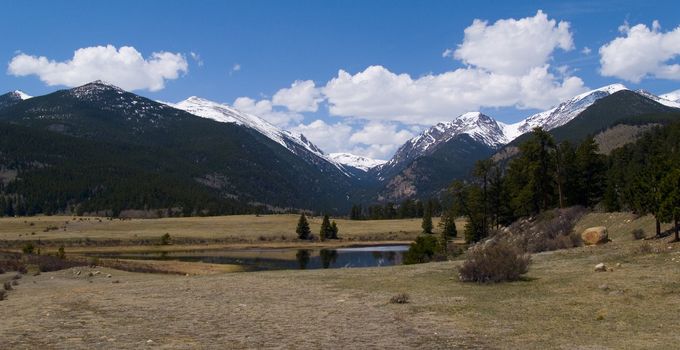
(282,259)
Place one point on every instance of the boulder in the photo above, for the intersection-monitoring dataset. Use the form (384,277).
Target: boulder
(601,267)
(595,235)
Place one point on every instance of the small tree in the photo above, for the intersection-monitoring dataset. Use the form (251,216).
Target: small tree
(61,254)
(326,230)
(427,220)
(302,229)
(165,239)
(448,224)
(28,248)
(334,230)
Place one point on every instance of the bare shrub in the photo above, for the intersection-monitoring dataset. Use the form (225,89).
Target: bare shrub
(401,298)
(552,230)
(638,234)
(7,285)
(644,248)
(494,261)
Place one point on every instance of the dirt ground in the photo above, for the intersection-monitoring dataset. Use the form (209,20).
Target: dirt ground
(562,304)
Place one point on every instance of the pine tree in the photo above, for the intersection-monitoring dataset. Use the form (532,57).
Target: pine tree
(448,224)
(302,229)
(669,210)
(334,230)
(427,220)
(326,229)
(589,173)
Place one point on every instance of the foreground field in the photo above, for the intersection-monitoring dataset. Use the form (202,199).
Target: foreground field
(239,228)
(563,304)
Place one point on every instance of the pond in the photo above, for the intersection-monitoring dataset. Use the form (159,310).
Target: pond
(283,259)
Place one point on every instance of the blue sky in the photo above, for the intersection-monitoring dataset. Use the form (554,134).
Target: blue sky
(275,43)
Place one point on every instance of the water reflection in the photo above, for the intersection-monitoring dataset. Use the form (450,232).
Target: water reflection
(276,259)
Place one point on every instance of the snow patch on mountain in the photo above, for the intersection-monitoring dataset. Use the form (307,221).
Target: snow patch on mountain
(355,161)
(562,113)
(672,96)
(21,95)
(659,99)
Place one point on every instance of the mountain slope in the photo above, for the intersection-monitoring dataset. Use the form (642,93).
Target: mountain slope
(672,96)
(229,160)
(296,143)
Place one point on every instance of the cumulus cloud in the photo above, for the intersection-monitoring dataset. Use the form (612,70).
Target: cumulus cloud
(642,52)
(511,46)
(508,65)
(302,96)
(586,50)
(124,67)
(265,110)
(375,139)
(235,68)
(379,94)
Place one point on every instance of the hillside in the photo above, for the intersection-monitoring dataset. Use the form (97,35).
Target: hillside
(107,133)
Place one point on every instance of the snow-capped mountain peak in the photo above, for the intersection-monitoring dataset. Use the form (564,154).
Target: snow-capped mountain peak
(355,161)
(660,99)
(21,95)
(296,143)
(562,113)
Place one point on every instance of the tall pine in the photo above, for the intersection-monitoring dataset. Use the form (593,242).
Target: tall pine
(302,229)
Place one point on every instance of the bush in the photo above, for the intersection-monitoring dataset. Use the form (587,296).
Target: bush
(422,250)
(61,253)
(638,234)
(2,294)
(7,285)
(28,248)
(552,230)
(494,261)
(165,239)
(401,298)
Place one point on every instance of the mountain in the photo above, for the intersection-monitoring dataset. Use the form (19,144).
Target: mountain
(429,162)
(11,98)
(562,113)
(672,96)
(659,99)
(101,149)
(359,162)
(298,144)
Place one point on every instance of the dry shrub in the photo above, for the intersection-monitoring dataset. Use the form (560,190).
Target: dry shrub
(2,294)
(552,230)
(638,234)
(7,285)
(644,248)
(494,261)
(401,298)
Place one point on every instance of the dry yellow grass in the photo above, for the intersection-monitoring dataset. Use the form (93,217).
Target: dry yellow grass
(563,304)
(238,227)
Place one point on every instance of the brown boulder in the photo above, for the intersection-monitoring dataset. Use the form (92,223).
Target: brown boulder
(595,235)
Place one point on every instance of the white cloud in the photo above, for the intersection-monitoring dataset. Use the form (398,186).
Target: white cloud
(511,46)
(642,52)
(235,68)
(302,96)
(374,139)
(265,110)
(197,58)
(586,50)
(447,53)
(124,67)
(508,66)
(378,94)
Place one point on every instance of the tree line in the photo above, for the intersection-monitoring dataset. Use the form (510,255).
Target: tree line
(407,209)
(643,177)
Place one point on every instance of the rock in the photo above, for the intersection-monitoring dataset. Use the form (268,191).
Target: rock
(595,235)
(618,265)
(600,267)
(108,275)
(96,273)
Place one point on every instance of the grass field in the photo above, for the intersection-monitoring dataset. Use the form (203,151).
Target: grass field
(562,304)
(239,228)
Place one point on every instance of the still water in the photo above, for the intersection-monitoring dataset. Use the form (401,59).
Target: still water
(278,259)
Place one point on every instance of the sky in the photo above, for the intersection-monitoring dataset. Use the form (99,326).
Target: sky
(353,76)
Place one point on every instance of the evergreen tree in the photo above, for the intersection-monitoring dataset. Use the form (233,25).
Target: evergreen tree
(302,229)
(448,224)
(669,210)
(334,230)
(326,229)
(427,220)
(589,173)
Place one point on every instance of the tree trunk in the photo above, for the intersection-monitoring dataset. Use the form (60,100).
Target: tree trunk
(658,228)
(677,234)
